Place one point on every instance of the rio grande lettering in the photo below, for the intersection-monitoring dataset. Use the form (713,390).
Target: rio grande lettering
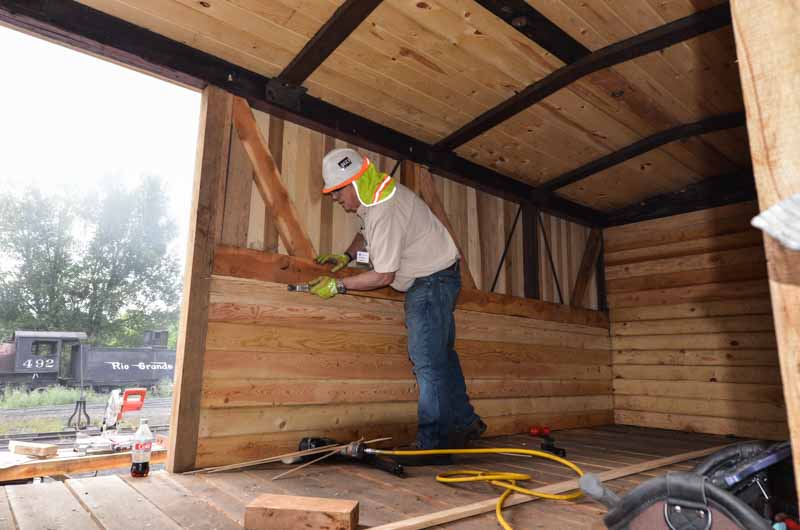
(159,365)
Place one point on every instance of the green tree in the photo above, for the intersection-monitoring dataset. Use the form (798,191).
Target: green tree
(100,265)
(37,251)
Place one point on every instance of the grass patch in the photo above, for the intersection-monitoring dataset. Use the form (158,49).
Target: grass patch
(18,398)
(29,425)
(162,389)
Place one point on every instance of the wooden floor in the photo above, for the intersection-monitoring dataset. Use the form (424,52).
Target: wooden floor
(217,501)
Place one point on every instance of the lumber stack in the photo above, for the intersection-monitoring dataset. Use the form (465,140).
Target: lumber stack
(693,339)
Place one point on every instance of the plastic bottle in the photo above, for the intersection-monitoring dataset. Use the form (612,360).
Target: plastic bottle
(140,455)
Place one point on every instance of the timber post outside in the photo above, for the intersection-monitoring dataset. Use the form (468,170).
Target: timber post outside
(768,44)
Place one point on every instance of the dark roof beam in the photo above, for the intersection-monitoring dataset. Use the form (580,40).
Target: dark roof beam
(642,44)
(680,132)
(538,28)
(81,27)
(344,21)
(709,193)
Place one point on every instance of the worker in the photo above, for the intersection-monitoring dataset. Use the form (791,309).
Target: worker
(410,250)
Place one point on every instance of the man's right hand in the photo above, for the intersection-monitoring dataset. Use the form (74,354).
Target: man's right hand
(339,261)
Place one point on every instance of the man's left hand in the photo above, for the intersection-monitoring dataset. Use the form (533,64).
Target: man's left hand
(324,286)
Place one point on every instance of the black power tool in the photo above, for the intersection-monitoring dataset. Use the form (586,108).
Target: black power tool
(353,451)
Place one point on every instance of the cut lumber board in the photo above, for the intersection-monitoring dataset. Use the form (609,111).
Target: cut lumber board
(32,449)
(476,508)
(47,506)
(280,268)
(293,512)
(116,506)
(65,466)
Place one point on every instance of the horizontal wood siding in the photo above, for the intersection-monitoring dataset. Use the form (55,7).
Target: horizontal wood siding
(692,331)
(281,365)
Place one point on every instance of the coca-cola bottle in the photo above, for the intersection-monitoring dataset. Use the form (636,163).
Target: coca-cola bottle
(140,455)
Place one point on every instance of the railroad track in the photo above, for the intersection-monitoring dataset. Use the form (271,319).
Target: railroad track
(63,438)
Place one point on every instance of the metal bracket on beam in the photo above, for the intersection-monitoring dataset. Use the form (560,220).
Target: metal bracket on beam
(284,94)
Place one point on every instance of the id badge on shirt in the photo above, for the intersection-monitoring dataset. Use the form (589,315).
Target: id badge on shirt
(362,257)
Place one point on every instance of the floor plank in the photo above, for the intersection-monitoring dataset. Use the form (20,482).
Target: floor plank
(217,501)
(232,507)
(6,519)
(47,506)
(180,505)
(117,506)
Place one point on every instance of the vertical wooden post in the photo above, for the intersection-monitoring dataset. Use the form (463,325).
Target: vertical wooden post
(205,231)
(768,45)
(276,148)
(530,250)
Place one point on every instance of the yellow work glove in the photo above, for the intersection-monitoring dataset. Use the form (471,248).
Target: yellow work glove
(339,261)
(326,287)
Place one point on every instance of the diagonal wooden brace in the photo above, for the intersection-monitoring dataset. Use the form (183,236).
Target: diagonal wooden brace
(269,184)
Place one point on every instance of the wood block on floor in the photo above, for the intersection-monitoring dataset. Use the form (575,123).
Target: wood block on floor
(289,512)
(32,449)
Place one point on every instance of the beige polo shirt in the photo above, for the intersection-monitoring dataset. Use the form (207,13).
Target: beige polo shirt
(403,236)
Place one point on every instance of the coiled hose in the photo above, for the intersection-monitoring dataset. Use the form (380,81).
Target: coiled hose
(502,479)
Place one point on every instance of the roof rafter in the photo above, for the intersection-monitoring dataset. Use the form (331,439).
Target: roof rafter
(342,23)
(538,28)
(709,193)
(82,27)
(654,141)
(642,44)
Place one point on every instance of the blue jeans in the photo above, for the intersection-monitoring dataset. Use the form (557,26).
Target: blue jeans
(443,402)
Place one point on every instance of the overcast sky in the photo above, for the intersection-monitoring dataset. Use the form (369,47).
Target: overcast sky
(70,122)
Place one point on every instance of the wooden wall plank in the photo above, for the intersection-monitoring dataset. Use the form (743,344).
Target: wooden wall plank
(693,339)
(427,191)
(250,264)
(205,230)
(587,267)
(221,450)
(734,218)
(770,430)
(238,191)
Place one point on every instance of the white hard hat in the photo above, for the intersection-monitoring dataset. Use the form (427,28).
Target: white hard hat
(342,166)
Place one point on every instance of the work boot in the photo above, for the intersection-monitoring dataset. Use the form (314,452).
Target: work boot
(460,438)
(420,460)
(475,429)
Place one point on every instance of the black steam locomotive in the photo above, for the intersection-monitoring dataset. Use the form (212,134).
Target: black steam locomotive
(36,359)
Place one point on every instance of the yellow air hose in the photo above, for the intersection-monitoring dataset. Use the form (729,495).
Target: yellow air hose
(499,479)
